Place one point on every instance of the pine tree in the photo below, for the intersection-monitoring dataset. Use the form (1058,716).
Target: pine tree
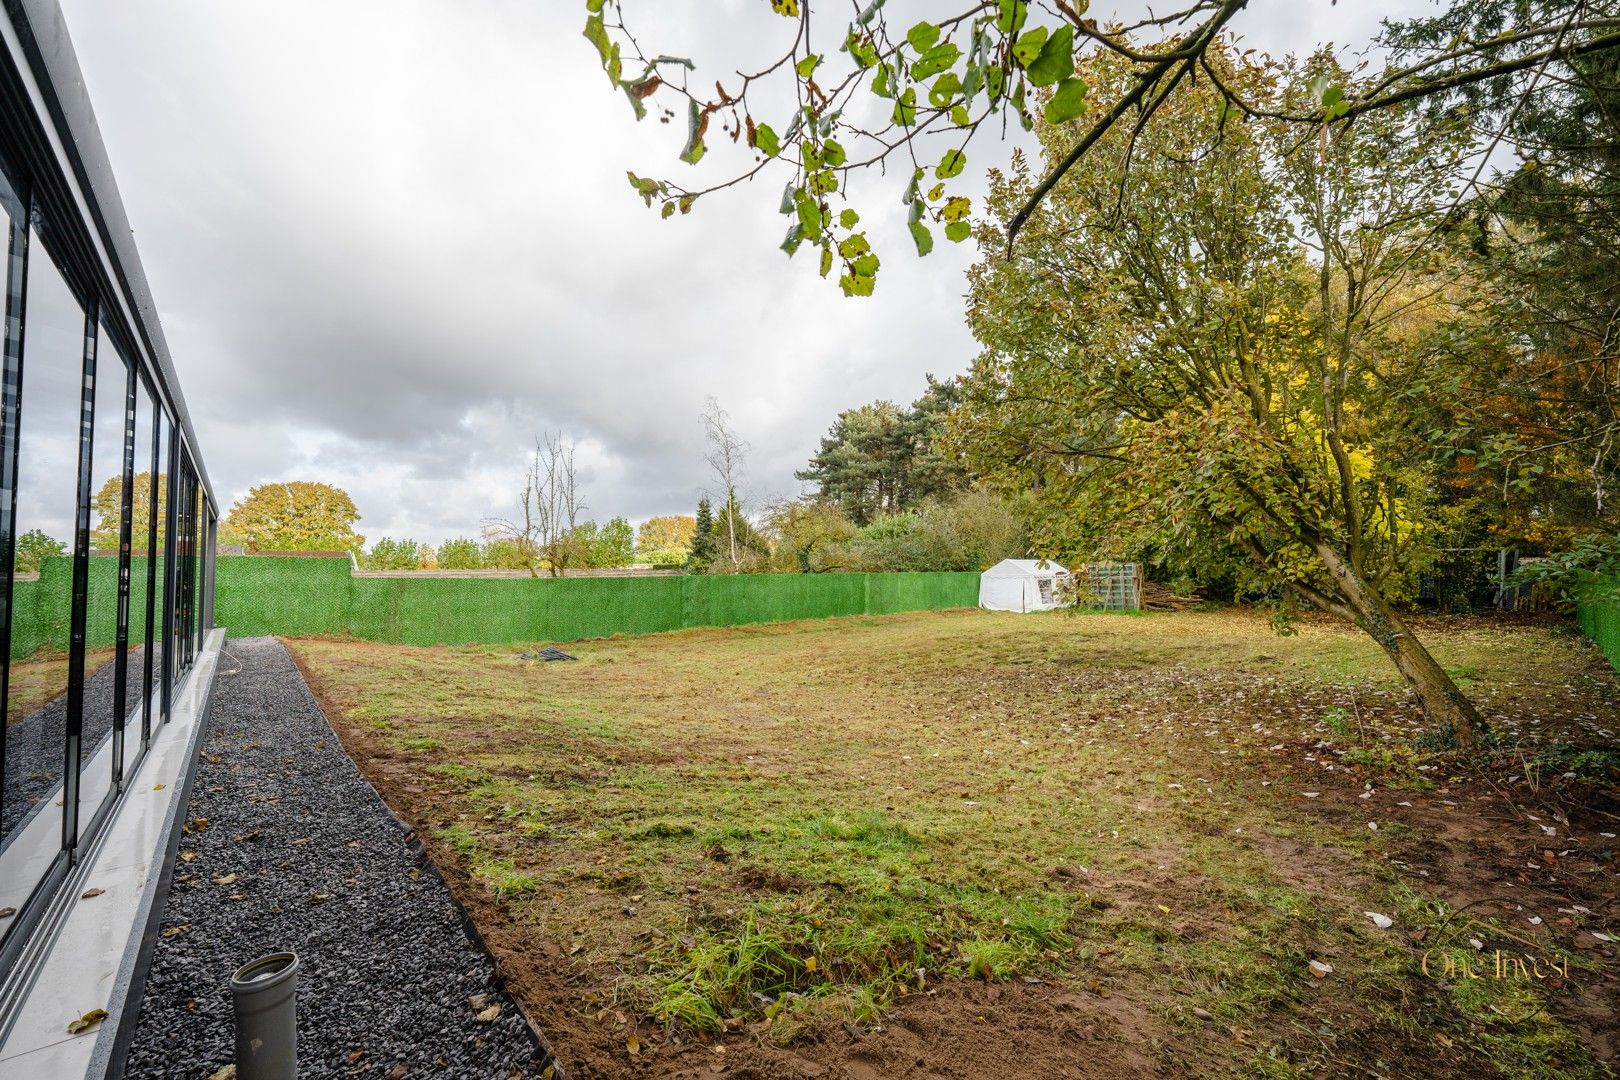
(702,537)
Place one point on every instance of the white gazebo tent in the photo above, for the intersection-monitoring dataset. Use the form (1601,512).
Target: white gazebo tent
(1021,585)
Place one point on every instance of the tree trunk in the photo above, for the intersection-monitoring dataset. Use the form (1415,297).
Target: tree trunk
(1443,703)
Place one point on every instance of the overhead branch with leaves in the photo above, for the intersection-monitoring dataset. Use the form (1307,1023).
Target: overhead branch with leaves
(844,91)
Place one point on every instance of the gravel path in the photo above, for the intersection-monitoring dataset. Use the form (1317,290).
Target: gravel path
(288,847)
(34,743)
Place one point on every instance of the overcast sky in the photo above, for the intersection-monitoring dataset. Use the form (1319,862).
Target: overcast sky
(392,241)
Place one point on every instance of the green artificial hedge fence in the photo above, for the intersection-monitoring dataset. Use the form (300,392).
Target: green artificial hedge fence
(301,596)
(1601,621)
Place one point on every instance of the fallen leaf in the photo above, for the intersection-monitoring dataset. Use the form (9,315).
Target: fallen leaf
(398,1071)
(187,856)
(355,1055)
(227,879)
(175,931)
(810,964)
(87,1021)
(1162,908)
(1383,922)
(7,912)
(159,787)
(490,1013)
(633,1044)
(90,894)
(1320,968)
(227,1073)
(319,898)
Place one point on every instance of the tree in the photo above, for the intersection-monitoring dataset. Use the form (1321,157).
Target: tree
(748,549)
(610,545)
(545,532)
(880,459)
(861,463)
(108,505)
(1173,369)
(671,532)
(809,536)
(33,548)
(803,112)
(702,537)
(297,515)
(387,554)
(726,458)
(459,554)
(1537,439)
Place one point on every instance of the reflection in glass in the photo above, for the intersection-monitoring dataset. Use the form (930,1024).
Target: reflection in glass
(104,698)
(160,653)
(41,583)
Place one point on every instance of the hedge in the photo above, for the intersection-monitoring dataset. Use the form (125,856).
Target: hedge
(1601,621)
(300,596)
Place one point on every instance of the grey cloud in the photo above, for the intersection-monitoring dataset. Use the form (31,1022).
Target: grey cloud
(393,241)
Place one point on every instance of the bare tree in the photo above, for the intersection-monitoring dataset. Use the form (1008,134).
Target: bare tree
(548,507)
(727,458)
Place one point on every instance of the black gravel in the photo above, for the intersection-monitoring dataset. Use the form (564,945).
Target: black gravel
(390,976)
(34,744)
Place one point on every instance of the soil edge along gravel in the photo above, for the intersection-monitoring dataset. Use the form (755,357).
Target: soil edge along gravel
(286,846)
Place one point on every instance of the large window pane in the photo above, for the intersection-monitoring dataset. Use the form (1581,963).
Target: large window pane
(140,561)
(36,749)
(106,674)
(18,872)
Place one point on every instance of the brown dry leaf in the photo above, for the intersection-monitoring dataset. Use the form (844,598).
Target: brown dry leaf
(175,931)
(633,1044)
(7,912)
(354,1056)
(90,894)
(187,856)
(490,1013)
(398,1071)
(199,823)
(227,879)
(87,1021)
(227,1073)
(319,898)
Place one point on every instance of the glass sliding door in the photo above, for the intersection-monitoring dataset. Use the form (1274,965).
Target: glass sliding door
(160,580)
(42,751)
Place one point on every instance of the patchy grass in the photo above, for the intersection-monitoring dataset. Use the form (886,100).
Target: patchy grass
(783,828)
